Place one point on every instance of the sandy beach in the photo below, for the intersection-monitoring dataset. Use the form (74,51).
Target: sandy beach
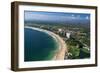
(62,48)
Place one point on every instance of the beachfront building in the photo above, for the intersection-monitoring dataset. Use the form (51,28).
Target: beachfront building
(59,30)
(68,34)
(64,33)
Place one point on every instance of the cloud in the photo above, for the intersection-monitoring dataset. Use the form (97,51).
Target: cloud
(87,17)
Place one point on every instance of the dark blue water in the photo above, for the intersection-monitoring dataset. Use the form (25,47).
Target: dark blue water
(38,45)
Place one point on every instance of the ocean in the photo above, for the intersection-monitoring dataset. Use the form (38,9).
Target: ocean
(38,45)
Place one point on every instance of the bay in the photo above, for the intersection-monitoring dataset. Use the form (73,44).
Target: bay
(38,45)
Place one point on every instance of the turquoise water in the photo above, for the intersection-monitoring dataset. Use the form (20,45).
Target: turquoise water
(38,45)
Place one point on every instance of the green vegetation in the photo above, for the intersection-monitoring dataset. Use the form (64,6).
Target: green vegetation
(73,52)
(77,49)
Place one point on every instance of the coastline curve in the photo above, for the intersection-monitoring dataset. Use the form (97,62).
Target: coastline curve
(62,47)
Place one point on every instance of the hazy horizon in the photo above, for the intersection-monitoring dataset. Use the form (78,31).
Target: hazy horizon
(56,17)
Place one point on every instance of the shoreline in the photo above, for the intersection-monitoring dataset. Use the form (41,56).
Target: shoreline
(62,48)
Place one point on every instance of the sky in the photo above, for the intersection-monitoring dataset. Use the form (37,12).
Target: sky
(60,17)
